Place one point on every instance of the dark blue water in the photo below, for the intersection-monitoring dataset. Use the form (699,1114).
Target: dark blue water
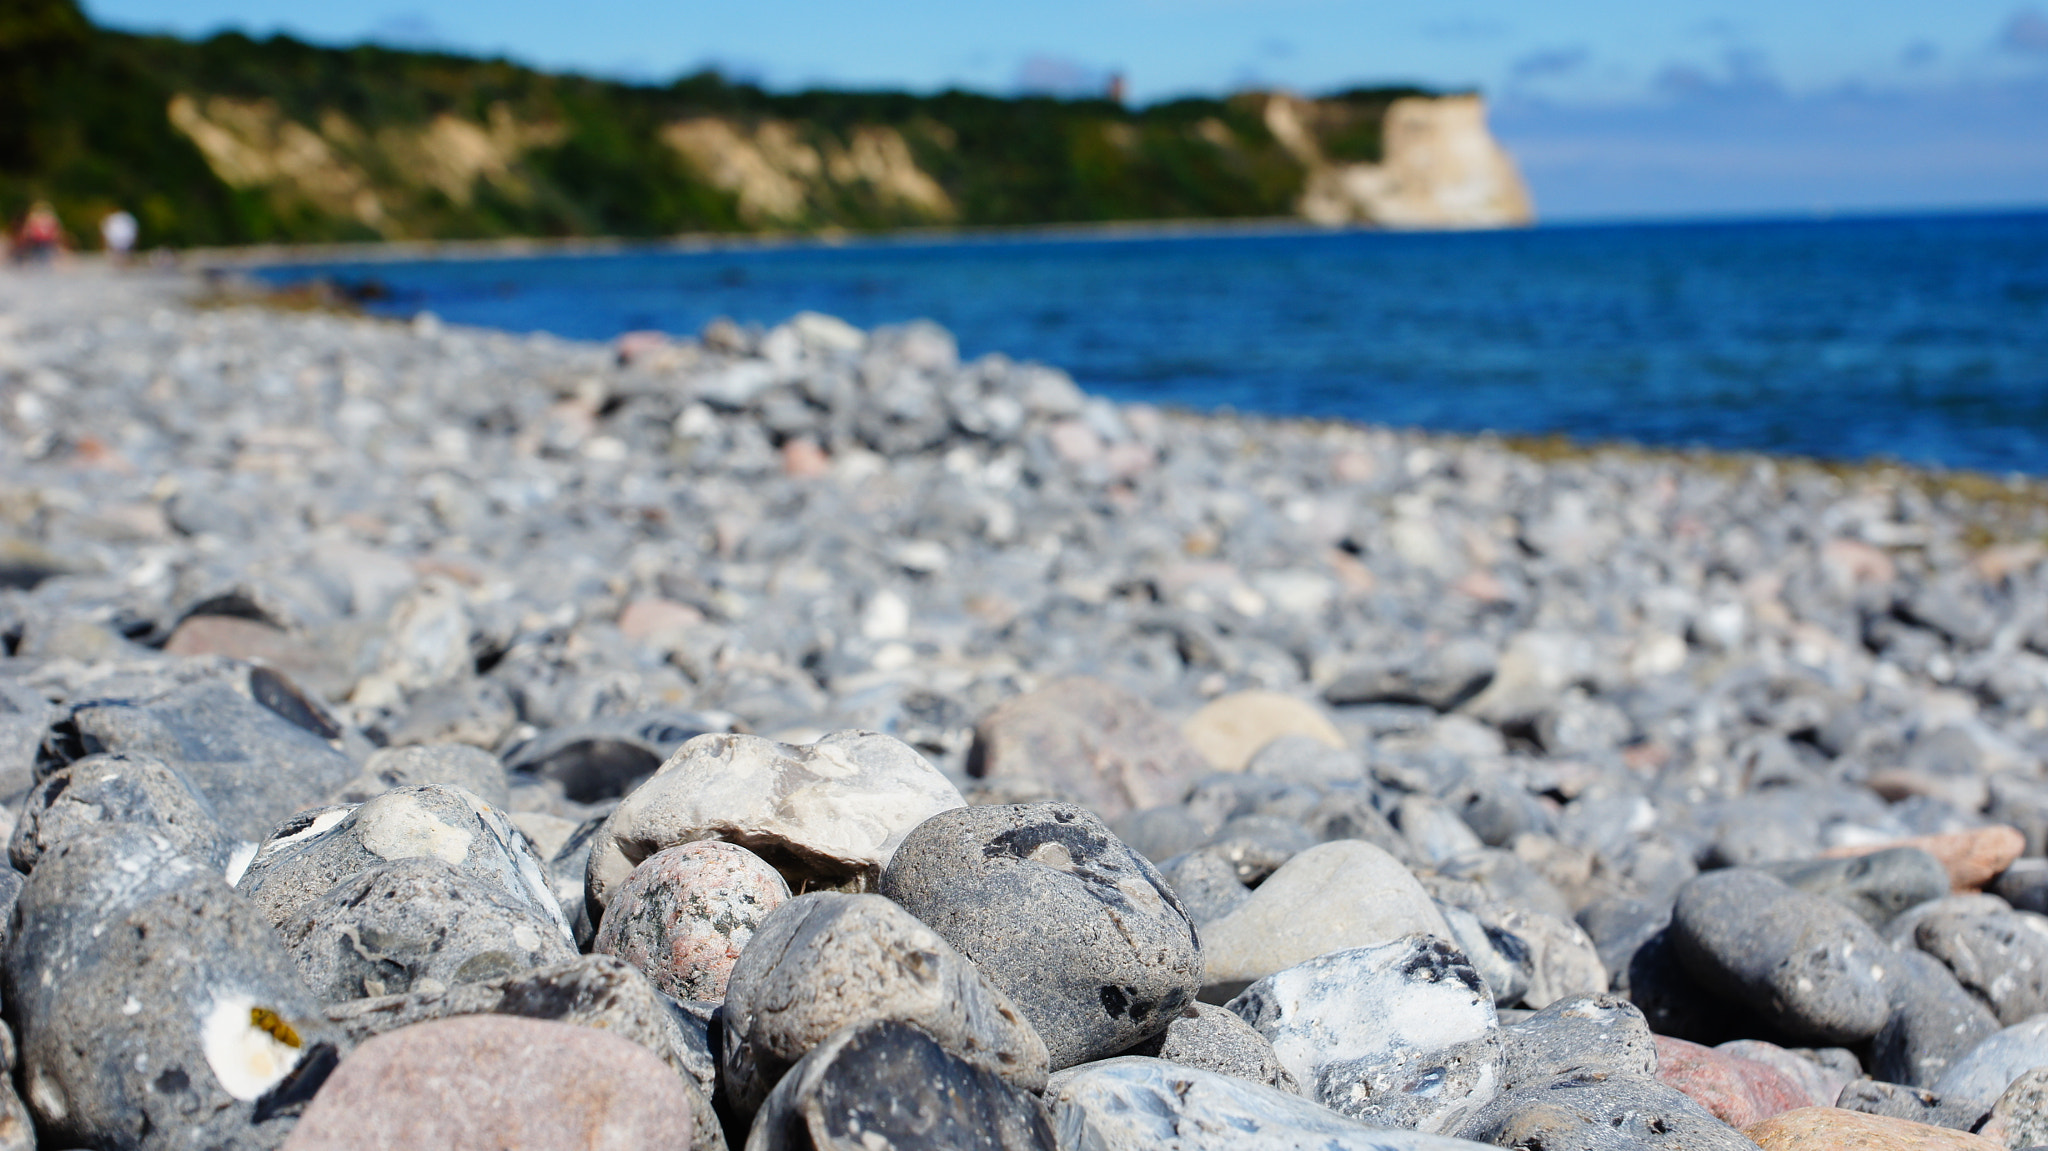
(1922,339)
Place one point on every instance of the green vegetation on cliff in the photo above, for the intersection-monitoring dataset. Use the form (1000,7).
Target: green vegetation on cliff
(234,140)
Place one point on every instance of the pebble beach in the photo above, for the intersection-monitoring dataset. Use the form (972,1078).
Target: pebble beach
(805,738)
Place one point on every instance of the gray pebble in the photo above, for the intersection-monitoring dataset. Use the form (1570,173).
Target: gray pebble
(887,1084)
(1897,1101)
(133,789)
(1934,1020)
(1215,1039)
(415,924)
(155,1006)
(878,963)
(1876,886)
(1080,931)
(1399,1035)
(2001,958)
(451,764)
(1575,1112)
(1207,885)
(1987,1069)
(1807,964)
(1139,1104)
(308,856)
(1595,1036)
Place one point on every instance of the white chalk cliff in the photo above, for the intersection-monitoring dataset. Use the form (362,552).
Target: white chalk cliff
(1439,168)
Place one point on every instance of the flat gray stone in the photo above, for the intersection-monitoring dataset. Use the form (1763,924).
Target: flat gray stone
(1898,1101)
(878,962)
(1079,930)
(1399,1035)
(450,764)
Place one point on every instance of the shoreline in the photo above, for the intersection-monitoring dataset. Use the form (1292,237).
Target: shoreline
(567,672)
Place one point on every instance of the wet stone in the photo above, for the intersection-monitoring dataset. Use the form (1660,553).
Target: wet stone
(684,915)
(415,924)
(1079,930)
(1399,1035)
(886,1083)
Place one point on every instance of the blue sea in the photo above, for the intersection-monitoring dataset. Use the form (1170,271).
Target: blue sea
(1922,339)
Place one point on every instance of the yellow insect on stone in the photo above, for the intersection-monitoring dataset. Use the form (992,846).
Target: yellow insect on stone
(264,1019)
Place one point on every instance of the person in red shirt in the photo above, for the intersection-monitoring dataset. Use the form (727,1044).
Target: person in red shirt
(41,235)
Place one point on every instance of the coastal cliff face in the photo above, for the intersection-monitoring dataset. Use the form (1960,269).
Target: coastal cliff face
(233,140)
(1440,168)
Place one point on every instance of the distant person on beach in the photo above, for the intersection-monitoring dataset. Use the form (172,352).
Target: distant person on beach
(118,231)
(41,236)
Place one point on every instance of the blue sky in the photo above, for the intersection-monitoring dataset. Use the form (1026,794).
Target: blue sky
(1680,108)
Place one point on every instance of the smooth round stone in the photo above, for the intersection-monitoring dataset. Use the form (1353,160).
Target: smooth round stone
(1562,961)
(1331,897)
(1399,1035)
(2000,958)
(1139,1104)
(684,915)
(1934,1021)
(127,788)
(1898,1101)
(826,961)
(415,924)
(155,1006)
(1079,930)
(1307,760)
(826,815)
(1160,833)
(1089,741)
(1876,886)
(1805,963)
(304,858)
(1216,1039)
(887,1084)
(1836,1129)
(1207,885)
(1985,1071)
(1230,729)
(1572,1112)
(1588,1035)
(499,1083)
(450,764)
(1737,1091)
(1501,958)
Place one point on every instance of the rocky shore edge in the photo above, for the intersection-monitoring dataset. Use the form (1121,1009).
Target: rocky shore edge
(805,738)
